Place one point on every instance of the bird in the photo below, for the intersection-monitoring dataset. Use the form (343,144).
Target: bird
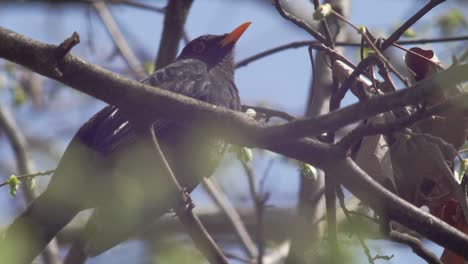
(109,167)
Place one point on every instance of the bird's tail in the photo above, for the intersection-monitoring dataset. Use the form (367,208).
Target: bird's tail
(30,233)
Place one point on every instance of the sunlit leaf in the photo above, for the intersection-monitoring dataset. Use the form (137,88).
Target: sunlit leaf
(452,20)
(462,168)
(308,171)
(322,12)
(149,67)
(409,33)
(14,183)
(362,30)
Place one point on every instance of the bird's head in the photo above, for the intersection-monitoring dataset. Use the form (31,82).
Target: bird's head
(214,49)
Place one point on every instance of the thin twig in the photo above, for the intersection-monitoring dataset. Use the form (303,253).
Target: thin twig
(140,5)
(195,228)
(30,176)
(236,257)
(314,72)
(300,23)
(398,124)
(397,33)
(389,84)
(347,213)
(366,35)
(416,246)
(234,218)
(67,45)
(119,40)
(326,30)
(306,43)
(330,202)
(259,198)
(25,165)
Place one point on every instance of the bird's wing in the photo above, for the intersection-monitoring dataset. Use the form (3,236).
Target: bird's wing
(109,129)
(106,130)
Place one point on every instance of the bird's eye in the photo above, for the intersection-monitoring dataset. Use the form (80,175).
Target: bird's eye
(199,47)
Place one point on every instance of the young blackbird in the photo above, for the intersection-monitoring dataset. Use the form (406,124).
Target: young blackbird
(108,167)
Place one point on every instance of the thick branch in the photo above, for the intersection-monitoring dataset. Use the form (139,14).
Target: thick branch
(355,112)
(127,94)
(395,207)
(111,88)
(174,21)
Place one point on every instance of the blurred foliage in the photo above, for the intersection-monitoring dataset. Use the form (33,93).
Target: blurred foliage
(149,67)
(19,96)
(243,154)
(173,252)
(452,21)
(409,33)
(366,51)
(321,254)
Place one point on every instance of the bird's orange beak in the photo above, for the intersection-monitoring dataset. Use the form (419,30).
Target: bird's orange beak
(235,34)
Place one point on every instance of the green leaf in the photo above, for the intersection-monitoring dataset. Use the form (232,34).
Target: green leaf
(308,171)
(322,12)
(19,96)
(462,169)
(452,20)
(10,68)
(14,183)
(366,52)
(362,30)
(409,33)
(245,155)
(149,67)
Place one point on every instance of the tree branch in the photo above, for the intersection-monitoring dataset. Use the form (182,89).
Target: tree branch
(300,23)
(25,166)
(397,34)
(174,21)
(192,223)
(234,218)
(416,246)
(363,110)
(141,5)
(119,40)
(306,43)
(241,129)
